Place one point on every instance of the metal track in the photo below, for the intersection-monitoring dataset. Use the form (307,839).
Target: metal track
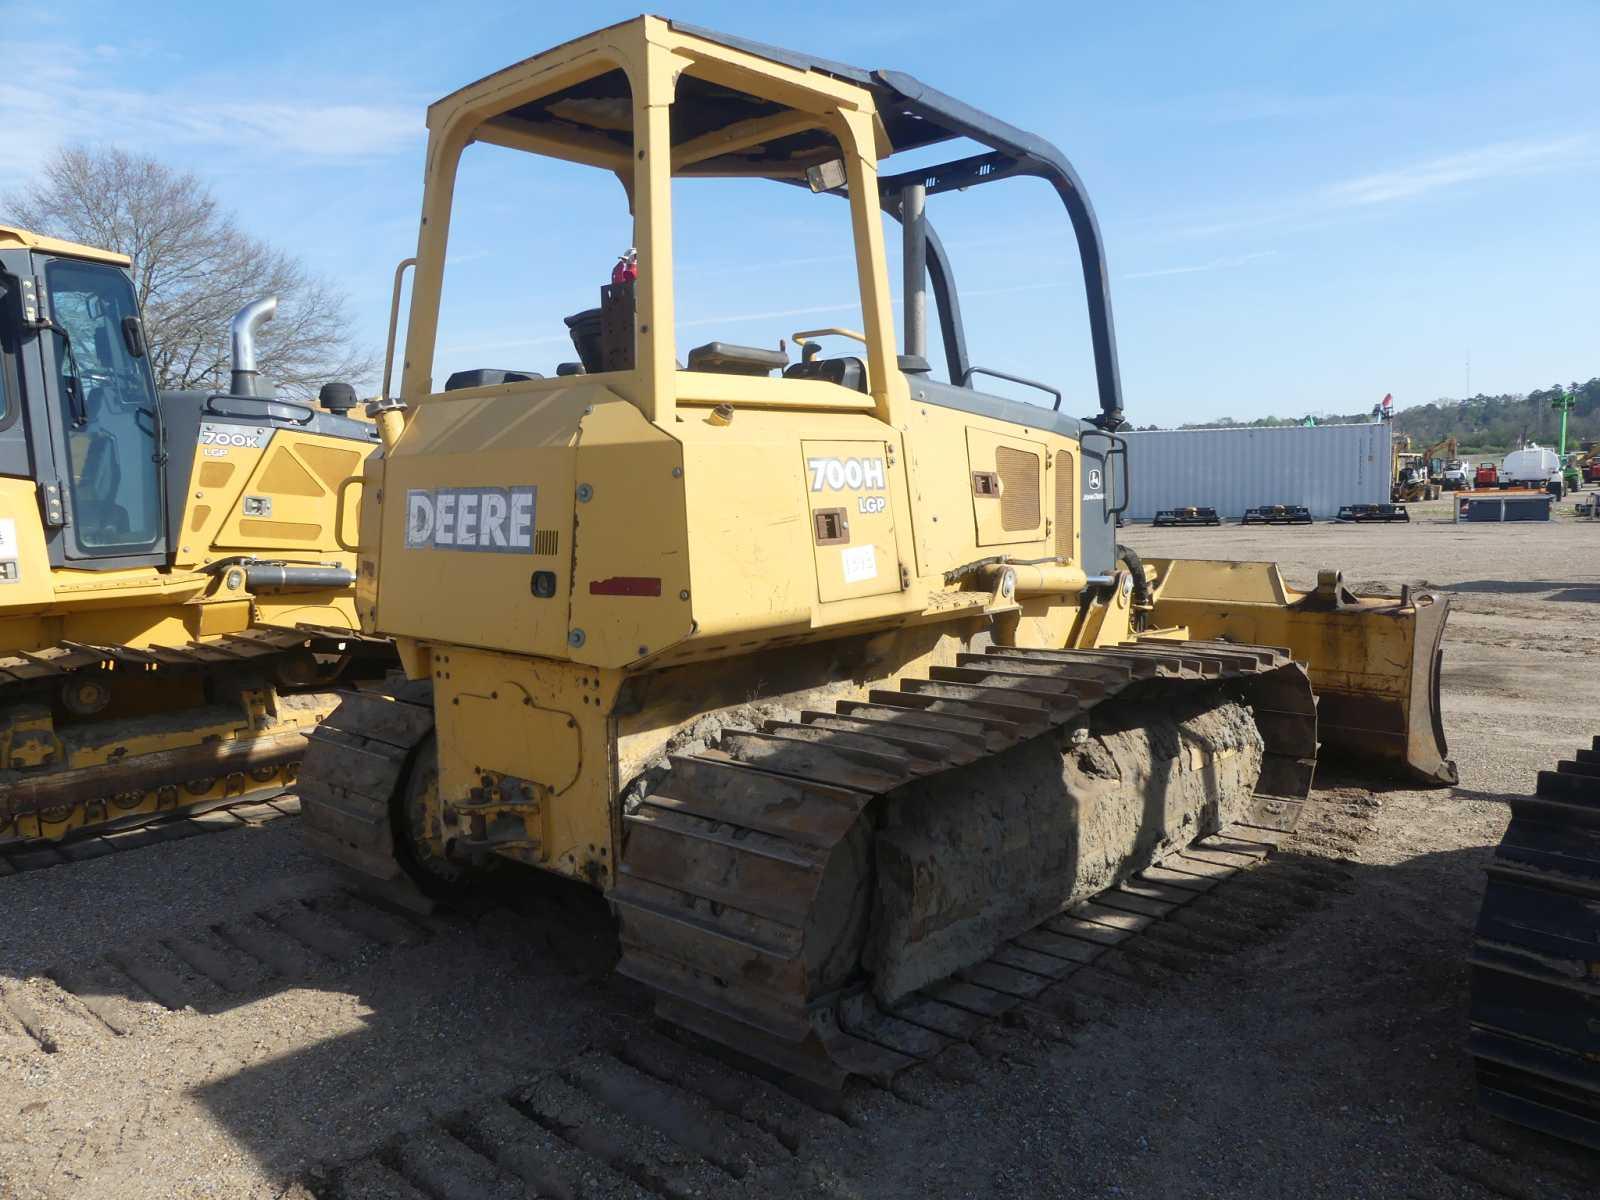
(665,1114)
(727,893)
(722,866)
(65,657)
(254,808)
(147,789)
(53,663)
(1536,959)
(351,772)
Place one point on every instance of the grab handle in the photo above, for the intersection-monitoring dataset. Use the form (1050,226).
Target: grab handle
(338,514)
(394,322)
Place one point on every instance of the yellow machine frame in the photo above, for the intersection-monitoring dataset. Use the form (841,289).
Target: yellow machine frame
(529,700)
(544,712)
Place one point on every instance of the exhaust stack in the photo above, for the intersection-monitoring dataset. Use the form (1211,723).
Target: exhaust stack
(913,219)
(243,329)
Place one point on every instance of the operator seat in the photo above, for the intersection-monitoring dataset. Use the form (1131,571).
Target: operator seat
(728,358)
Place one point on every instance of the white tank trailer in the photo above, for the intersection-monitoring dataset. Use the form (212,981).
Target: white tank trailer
(1533,466)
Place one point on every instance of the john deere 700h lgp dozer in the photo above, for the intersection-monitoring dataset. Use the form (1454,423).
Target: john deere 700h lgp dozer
(173,602)
(831,673)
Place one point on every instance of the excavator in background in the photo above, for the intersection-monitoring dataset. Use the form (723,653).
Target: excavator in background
(830,674)
(1425,474)
(174,601)
(1443,461)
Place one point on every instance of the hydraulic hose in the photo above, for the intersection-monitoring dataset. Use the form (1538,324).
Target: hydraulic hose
(1141,585)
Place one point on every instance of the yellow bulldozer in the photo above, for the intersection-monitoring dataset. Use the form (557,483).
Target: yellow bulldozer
(173,600)
(830,674)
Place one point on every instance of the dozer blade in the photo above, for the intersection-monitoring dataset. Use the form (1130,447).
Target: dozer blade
(1374,660)
(824,896)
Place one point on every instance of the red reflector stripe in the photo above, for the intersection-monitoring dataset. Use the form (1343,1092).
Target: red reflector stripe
(626,585)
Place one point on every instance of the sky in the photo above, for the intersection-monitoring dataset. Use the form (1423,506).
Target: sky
(1304,206)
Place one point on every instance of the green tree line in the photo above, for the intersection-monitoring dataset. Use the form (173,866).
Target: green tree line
(1481,424)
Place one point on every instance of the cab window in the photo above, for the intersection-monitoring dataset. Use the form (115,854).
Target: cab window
(106,410)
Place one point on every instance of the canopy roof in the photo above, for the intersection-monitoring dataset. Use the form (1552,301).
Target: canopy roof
(598,112)
(718,130)
(11,235)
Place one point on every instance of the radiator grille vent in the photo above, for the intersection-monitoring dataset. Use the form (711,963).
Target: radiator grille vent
(1019,488)
(1066,504)
(546,541)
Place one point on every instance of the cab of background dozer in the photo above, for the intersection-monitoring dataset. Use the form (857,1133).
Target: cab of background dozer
(99,473)
(587,558)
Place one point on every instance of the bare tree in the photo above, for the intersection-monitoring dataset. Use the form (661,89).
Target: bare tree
(194,268)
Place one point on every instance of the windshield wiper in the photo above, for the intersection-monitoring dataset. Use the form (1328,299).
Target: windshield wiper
(75,397)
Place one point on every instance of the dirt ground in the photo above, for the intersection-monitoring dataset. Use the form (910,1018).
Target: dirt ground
(318,1046)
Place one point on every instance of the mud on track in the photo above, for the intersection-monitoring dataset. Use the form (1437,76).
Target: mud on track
(1311,1042)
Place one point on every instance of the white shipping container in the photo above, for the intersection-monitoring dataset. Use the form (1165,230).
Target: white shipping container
(1230,470)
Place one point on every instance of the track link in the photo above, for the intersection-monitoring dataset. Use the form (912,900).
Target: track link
(1536,959)
(349,779)
(252,809)
(727,862)
(50,814)
(723,864)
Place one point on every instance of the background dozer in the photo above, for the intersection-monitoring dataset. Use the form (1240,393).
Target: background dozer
(173,603)
(830,673)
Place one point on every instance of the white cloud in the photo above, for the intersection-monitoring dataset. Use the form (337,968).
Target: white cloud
(1366,195)
(1495,161)
(811,310)
(1240,106)
(71,94)
(1216,264)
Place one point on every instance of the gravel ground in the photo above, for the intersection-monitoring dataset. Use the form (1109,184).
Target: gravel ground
(1324,1060)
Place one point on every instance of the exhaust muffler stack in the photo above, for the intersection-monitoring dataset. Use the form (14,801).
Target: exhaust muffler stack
(242,333)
